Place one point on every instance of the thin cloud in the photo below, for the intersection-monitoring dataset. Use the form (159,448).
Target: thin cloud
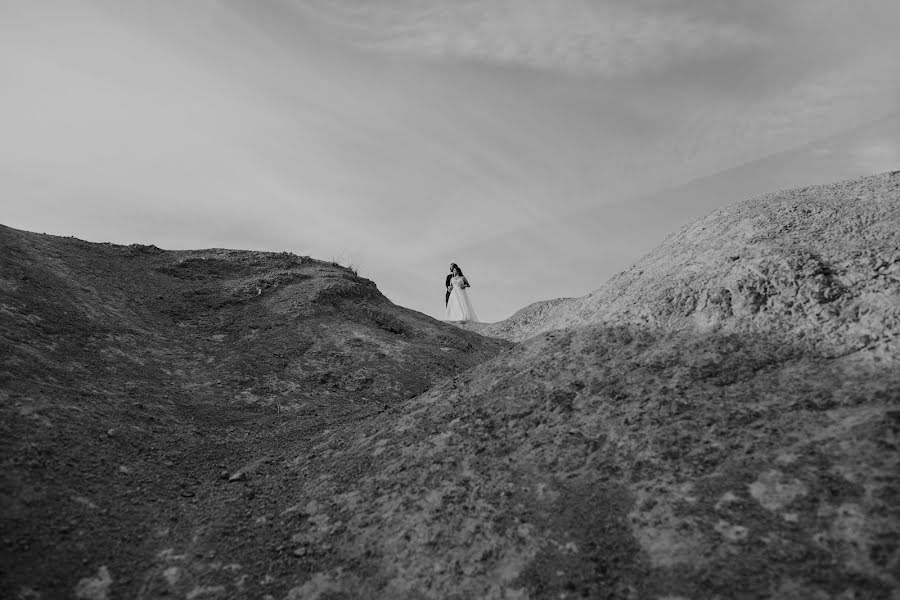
(821,103)
(403,135)
(573,36)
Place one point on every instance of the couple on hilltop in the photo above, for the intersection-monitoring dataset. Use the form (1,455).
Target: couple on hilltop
(456,301)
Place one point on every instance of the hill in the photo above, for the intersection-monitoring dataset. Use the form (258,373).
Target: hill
(136,382)
(719,421)
(792,262)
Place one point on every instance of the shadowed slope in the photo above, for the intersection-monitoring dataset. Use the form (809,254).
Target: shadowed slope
(671,443)
(619,462)
(131,376)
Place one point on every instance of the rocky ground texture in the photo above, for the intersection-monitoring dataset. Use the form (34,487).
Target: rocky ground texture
(151,401)
(719,421)
(819,262)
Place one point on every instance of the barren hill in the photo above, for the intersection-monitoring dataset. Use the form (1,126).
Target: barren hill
(134,379)
(820,261)
(719,421)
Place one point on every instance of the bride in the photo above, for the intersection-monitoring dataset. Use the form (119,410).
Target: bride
(459,308)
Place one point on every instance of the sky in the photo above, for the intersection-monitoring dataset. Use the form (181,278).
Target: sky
(543,145)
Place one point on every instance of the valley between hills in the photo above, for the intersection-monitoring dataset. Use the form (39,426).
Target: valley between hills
(720,420)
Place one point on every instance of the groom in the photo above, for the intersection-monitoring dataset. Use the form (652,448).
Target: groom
(447,284)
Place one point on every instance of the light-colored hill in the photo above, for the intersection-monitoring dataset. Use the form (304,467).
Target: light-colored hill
(817,263)
(525,322)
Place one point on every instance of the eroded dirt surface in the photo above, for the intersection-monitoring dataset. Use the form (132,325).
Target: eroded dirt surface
(153,401)
(624,463)
(820,262)
(223,424)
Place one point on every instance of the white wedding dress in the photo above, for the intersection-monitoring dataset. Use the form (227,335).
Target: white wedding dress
(459,308)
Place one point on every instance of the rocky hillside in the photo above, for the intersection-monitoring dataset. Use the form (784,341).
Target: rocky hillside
(673,443)
(820,262)
(720,421)
(135,382)
(525,322)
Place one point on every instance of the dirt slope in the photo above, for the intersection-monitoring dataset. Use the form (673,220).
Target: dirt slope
(625,463)
(525,322)
(720,421)
(794,261)
(132,380)
(676,442)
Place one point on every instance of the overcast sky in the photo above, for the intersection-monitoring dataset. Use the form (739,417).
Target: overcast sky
(541,144)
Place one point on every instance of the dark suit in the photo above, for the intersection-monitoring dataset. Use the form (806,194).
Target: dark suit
(446,287)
